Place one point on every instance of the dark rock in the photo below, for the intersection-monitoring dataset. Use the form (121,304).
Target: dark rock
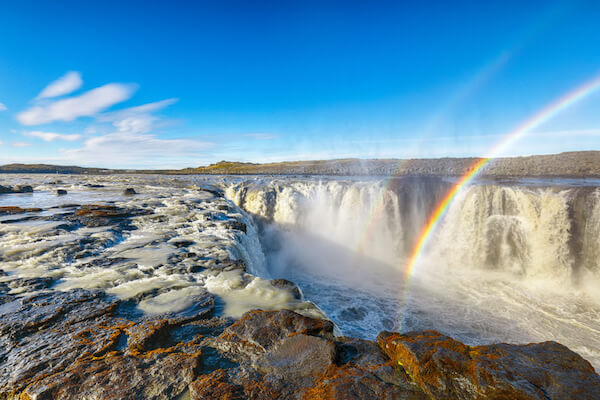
(5,189)
(447,369)
(228,265)
(288,285)
(61,192)
(16,189)
(236,225)
(182,243)
(23,189)
(129,192)
(30,284)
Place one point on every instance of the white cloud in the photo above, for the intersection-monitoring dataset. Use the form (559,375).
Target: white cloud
(51,136)
(21,144)
(3,107)
(86,105)
(133,148)
(66,84)
(138,110)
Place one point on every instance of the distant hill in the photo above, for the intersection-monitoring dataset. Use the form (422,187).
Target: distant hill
(51,169)
(570,164)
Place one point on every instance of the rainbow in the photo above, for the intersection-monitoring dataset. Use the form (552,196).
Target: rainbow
(466,91)
(544,115)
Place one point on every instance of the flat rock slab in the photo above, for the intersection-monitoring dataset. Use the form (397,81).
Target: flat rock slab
(300,355)
(447,369)
(85,344)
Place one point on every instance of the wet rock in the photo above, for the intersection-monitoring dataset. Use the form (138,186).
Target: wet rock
(5,189)
(288,285)
(282,354)
(182,243)
(235,225)
(61,192)
(298,356)
(215,385)
(30,284)
(16,189)
(129,192)
(362,371)
(227,265)
(23,189)
(94,215)
(42,334)
(447,369)
(161,374)
(76,344)
(258,332)
(10,210)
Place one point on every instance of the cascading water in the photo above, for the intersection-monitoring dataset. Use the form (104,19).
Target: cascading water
(509,262)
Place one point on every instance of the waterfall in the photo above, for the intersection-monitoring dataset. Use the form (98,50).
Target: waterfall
(527,231)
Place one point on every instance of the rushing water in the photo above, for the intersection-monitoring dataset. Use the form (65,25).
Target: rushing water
(181,241)
(512,261)
(515,262)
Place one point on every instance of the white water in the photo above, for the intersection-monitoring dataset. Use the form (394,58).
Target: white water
(508,262)
(144,263)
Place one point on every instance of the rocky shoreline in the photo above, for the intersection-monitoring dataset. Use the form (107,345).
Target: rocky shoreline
(85,344)
(91,344)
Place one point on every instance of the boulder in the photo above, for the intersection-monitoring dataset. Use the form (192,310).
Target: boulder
(16,189)
(61,192)
(5,189)
(129,192)
(447,369)
(288,285)
(258,332)
(23,189)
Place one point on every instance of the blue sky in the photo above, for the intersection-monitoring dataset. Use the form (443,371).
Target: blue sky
(175,84)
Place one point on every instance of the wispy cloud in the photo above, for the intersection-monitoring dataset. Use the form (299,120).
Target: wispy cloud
(21,144)
(51,136)
(132,148)
(86,105)
(262,136)
(3,107)
(137,110)
(66,84)
(137,119)
(133,144)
